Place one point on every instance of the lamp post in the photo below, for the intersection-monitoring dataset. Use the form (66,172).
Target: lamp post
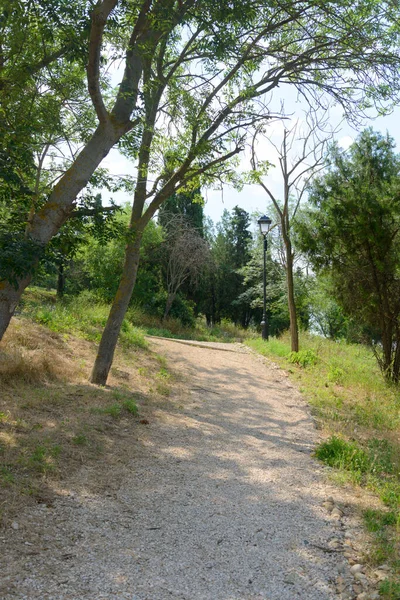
(265,226)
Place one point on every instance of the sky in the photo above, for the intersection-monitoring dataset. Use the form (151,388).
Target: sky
(253,198)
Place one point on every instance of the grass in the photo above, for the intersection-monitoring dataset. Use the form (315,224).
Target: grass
(52,421)
(359,413)
(86,317)
(172,328)
(80,316)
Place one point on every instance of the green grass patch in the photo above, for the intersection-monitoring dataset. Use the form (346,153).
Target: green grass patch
(125,402)
(81,316)
(42,458)
(390,590)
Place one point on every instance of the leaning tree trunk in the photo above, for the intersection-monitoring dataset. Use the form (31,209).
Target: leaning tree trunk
(60,279)
(118,310)
(9,298)
(294,332)
(47,222)
(170,301)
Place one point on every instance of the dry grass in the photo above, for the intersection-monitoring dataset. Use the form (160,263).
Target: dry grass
(52,421)
(31,354)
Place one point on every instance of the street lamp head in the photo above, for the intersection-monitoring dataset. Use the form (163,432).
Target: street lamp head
(265,224)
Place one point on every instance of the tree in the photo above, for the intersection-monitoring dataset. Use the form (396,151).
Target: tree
(187,254)
(276,289)
(206,67)
(222,282)
(300,155)
(188,204)
(353,234)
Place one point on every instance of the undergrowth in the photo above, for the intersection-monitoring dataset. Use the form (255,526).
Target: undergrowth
(86,316)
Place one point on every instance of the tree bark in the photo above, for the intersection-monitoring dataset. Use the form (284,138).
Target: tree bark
(118,310)
(9,298)
(170,301)
(60,280)
(294,332)
(46,223)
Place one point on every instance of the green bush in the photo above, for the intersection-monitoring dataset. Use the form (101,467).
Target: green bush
(304,358)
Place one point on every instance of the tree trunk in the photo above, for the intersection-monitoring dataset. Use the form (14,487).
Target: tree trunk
(294,332)
(170,301)
(47,222)
(9,298)
(118,310)
(60,280)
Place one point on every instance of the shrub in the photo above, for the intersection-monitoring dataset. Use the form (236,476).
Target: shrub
(304,358)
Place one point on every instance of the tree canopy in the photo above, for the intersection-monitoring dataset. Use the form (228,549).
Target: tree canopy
(353,233)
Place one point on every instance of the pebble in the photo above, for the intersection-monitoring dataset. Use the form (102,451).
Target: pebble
(357,568)
(361,578)
(380,574)
(15,525)
(337,513)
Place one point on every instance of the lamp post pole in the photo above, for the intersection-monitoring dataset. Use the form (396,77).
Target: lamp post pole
(264,322)
(265,224)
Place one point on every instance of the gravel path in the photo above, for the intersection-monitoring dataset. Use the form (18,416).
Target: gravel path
(221,501)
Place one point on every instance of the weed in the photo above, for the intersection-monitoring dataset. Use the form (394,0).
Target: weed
(376,520)
(130,406)
(336,375)
(128,402)
(42,459)
(163,374)
(304,358)
(390,590)
(79,440)
(113,411)
(341,454)
(6,475)
(161,360)
(162,389)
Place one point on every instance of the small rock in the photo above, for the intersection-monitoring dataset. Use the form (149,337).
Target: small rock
(348,542)
(357,589)
(328,505)
(381,575)
(347,554)
(15,525)
(349,535)
(337,513)
(361,578)
(357,568)
(362,596)
(384,568)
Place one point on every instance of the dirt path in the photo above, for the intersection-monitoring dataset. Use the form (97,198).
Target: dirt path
(220,500)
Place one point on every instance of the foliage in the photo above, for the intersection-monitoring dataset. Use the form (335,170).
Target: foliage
(353,233)
(303,358)
(223,283)
(276,288)
(325,313)
(82,316)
